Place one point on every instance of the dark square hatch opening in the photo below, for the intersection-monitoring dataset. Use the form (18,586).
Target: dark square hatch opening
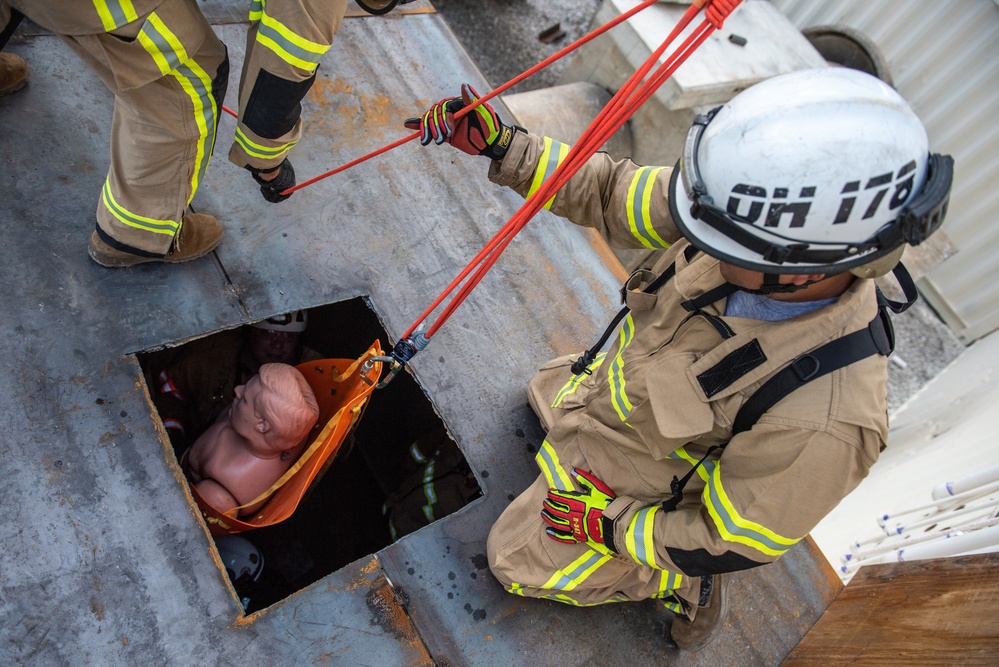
(398,470)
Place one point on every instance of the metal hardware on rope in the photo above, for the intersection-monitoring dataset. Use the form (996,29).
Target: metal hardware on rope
(404,350)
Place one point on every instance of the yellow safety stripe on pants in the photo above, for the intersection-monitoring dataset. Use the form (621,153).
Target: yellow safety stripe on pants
(734,528)
(574,383)
(263,152)
(565,599)
(160,42)
(638,208)
(198,85)
(414,451)
(171,57)
(667,586)
(167,227)
(554,473)
(115,13)
(518,589)
(675,607)
(284,42)
(615,374)
(577,572)
(428,491)
(551,157)
(681,453)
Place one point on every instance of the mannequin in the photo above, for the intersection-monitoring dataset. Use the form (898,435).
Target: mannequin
(255,441)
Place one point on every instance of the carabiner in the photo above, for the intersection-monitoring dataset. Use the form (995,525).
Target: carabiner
(394,366)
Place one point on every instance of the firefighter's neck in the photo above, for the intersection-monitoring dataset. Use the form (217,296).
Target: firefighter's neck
(815,287)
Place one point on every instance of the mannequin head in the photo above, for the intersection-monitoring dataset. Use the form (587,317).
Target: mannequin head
(276,409)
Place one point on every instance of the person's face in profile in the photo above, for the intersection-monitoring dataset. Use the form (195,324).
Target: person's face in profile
(274,347)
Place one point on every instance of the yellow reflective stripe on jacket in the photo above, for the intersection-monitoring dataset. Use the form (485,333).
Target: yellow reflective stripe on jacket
(551,157)
(734,528)
(638,536)
(263,152)
(577,572)
(574,383)
(681,453)
(554,473)
(615,374)
(639,205)
(168,227)
(288,46)
(115,13)
(160,42)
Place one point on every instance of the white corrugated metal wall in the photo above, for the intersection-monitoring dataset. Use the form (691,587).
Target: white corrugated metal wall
(944,58)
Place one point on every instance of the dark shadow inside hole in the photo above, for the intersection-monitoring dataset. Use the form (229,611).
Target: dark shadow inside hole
(398,470)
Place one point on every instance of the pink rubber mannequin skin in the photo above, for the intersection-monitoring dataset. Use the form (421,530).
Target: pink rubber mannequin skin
(253,443)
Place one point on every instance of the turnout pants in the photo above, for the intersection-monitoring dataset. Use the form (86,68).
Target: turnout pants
(168,72)
(529,563)
(284,44)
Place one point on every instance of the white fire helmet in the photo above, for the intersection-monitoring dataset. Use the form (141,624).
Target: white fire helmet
(817,171)
(243,561)
(291,322)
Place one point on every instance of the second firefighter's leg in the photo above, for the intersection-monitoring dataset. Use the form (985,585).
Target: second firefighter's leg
(284,45)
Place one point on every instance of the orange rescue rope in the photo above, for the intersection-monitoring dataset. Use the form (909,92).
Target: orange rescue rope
(632,95)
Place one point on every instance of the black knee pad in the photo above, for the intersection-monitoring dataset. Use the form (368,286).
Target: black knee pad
(220,84)
(275,104)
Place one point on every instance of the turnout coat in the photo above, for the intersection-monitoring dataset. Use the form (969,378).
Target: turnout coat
(667,389)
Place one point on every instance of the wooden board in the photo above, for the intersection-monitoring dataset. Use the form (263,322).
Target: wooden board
(934,612)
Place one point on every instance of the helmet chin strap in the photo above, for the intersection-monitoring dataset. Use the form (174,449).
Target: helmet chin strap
(772,285)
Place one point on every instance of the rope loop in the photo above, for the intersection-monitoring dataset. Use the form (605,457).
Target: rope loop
(718,10)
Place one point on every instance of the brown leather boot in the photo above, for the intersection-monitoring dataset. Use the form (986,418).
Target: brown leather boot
(198,236)
(711,609)
(14,73)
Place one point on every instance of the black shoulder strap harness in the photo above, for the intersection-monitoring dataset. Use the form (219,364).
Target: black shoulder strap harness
(877,338)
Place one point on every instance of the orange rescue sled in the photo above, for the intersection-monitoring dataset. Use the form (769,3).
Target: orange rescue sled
(342,394)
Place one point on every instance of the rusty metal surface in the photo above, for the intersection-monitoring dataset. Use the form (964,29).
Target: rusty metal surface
(105,560)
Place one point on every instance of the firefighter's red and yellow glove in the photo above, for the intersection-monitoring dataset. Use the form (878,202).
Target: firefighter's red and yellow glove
(479,132)
(578,516)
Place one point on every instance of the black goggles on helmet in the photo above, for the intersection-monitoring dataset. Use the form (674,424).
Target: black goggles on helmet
(916,221)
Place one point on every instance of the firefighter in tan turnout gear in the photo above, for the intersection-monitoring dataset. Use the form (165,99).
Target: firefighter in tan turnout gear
(168,72)
(744,392)
(284,44)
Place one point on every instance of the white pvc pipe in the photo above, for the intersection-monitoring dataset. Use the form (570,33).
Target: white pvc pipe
(906,542)
(952,545)
(963,484)
(943,503)
(945,518)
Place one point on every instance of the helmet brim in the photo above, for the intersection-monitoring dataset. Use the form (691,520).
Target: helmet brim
(709,240)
